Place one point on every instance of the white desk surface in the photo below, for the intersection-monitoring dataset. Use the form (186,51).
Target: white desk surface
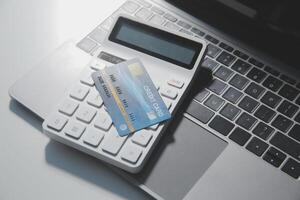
(32,167)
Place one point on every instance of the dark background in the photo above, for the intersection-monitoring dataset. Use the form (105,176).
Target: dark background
(275,30)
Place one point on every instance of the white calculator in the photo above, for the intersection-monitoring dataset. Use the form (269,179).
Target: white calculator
(80,119)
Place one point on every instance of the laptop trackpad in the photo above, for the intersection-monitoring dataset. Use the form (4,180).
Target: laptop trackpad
(180,159)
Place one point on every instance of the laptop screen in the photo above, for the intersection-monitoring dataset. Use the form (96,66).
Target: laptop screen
(270,27)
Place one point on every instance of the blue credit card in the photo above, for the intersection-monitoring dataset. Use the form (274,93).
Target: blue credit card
(130,96)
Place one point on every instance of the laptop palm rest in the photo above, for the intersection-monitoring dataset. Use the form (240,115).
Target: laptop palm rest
(182,156)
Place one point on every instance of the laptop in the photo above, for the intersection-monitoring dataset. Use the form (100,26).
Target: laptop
(237,136)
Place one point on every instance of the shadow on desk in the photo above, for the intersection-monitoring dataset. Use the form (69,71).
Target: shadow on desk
(75,162)
(86,167)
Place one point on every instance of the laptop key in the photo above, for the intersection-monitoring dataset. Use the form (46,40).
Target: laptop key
(256,75)
(298,101)
(241,66)
(200,112)
(263,130)
(226,58)
(282,123)
(201,95)
(254,90)
(212,39)
(223,73)
(271,71)
(292,168)
(221,125)
(257,146)
(212,50)
(274,157)
(286,144)
(240,136)
(298,85)
(143,14)
(272,83)
(214,102)
(248,104)
(230,111)
(264,113)
(246,121)
(288,109)
(256,62)
(217,86)
(297,118)
(226,47)
(241,54)
(288,92)
(271,99)
(232,95)
(238,81)
(295,132)
(287,79)
(209,64)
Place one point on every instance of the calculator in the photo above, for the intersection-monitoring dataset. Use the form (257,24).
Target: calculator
(80,119)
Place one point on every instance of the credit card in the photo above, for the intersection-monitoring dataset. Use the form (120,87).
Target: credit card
(130,96)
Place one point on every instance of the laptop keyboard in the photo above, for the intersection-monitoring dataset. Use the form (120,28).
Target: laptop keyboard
(251,103)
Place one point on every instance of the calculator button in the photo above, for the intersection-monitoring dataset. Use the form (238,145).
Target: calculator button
(103,121)
(168,92)
(172,26)
(157,10)
(142,138)
(157,20)
(95,65)
(176,83)
(79,92)
(153,127)
(130,6)
(74,129)
(57,122)
(87,44)
(95,99)
(68,107)
(112,142)
(143,13)
(87,80)
(170,17)
(167,102)
(131,153)
(93,136)
(85,113)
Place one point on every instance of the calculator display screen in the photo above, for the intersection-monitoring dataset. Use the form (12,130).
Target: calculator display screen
(155,42)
